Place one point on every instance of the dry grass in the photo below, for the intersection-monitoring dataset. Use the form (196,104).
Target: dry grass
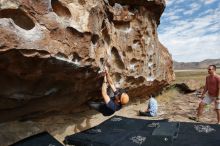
(194,78)
(186,76)
(168,95)
(199,74)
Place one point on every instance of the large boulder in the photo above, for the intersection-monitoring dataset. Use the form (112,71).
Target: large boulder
(53,51)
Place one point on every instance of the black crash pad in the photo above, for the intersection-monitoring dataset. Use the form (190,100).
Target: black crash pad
(122,131)
(167,129)
(40,139)
(198,134)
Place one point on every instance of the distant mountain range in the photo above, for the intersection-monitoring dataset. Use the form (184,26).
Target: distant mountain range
(196,65)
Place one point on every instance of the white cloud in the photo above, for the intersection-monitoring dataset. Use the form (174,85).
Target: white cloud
(171,18)
(192,39)
(188,49)
(209,11)
(169,2)
(209,1)
(193,7)
(180,1)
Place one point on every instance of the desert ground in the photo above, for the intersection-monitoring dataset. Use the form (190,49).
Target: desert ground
(173,105)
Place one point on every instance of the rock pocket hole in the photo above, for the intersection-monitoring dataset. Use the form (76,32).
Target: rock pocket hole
(76,56)
(125,26)
(75,32)
(138,80)
(19,17)
(117,59)
(94,39)
(129,49)
(117,77)
(134,61)
(105,33)
(60,9)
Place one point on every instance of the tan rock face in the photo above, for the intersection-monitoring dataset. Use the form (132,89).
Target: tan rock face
(52,52)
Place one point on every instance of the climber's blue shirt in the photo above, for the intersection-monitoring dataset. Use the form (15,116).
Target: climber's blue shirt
(113,106)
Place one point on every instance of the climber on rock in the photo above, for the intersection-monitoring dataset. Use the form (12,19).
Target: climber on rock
(112,103)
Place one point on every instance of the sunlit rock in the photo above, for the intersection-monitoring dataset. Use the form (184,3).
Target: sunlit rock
(53,51)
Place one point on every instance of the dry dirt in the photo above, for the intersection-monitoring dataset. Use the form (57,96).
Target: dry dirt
(178,108)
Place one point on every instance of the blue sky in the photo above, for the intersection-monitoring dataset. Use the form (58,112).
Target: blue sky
(190,29)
